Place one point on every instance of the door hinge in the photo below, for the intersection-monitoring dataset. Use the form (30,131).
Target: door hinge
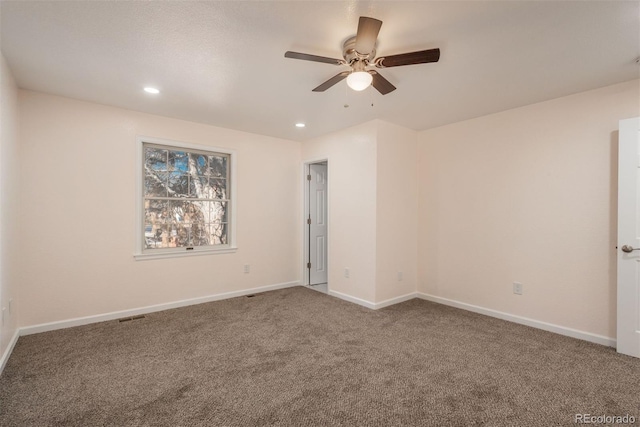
(309,221)
(309,177)
(308,265)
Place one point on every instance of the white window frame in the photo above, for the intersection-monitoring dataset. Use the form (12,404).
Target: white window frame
(140,252)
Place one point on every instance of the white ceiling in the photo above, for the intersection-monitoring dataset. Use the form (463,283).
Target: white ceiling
(222,62)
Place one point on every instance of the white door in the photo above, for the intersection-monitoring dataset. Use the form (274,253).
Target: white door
(628,335)
(317,265)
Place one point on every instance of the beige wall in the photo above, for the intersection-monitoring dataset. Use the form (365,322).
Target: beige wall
(396,211)
(372,209)
(463,210)
(8,202)
(527,195)
(78,214)
(352,207)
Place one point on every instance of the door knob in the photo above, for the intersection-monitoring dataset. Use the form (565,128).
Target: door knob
(629,249)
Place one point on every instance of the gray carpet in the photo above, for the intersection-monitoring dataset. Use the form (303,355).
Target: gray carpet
(296,357)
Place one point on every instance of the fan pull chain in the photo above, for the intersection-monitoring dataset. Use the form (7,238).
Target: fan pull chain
(346,96)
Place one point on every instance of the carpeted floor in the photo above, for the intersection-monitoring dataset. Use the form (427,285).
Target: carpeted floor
(296,357)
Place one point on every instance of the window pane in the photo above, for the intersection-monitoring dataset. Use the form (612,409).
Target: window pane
(155,159)
(218,233)
(178,184)
(200,211)
(155,222)
(199,187)
(218,212)
(155,183)
(155,211)
(218,188)
(199,235)
(199,219)
(178,161)
(149,236)
(193,212)
(176,211)
(155,166)
(218,166)
(160,236)
(180,237)
(202,164)
(187,220)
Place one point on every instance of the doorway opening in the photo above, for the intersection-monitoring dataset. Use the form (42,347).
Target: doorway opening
(316,231)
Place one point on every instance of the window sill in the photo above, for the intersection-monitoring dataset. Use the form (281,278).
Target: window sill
(185,253)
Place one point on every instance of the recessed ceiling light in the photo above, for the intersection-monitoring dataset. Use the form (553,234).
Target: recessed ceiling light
(300,125)
(151,90)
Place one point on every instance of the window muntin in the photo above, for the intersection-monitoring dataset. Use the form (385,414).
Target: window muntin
(186,199)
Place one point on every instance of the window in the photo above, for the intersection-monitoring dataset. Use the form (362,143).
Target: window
(186,199)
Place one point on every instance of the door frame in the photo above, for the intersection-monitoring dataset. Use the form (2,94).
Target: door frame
(305,215)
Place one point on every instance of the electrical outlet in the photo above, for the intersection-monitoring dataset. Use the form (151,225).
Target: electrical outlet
(346,273)
(517,288)
(400,276)
(247,269)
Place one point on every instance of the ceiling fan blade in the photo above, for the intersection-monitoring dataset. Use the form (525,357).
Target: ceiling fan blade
(419,57)
(314,58)
(368,29)
(332,81)
(381,84)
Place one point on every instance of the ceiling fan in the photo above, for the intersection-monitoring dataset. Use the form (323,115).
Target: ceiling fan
(359,53)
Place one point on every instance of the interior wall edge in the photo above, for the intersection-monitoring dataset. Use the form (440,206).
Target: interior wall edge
(8,350)
(373,305)
(9,207)
(395,300)
(352,299)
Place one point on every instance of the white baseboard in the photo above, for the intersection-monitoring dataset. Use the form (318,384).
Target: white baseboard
(79,321)
(574,333)
(354,300)
(9,350)
(373,305)
(396,300)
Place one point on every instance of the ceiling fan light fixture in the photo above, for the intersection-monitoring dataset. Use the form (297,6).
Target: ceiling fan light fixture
(359,80)
(359,52)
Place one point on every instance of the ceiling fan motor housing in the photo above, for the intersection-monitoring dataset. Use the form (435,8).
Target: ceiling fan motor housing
(350,54)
